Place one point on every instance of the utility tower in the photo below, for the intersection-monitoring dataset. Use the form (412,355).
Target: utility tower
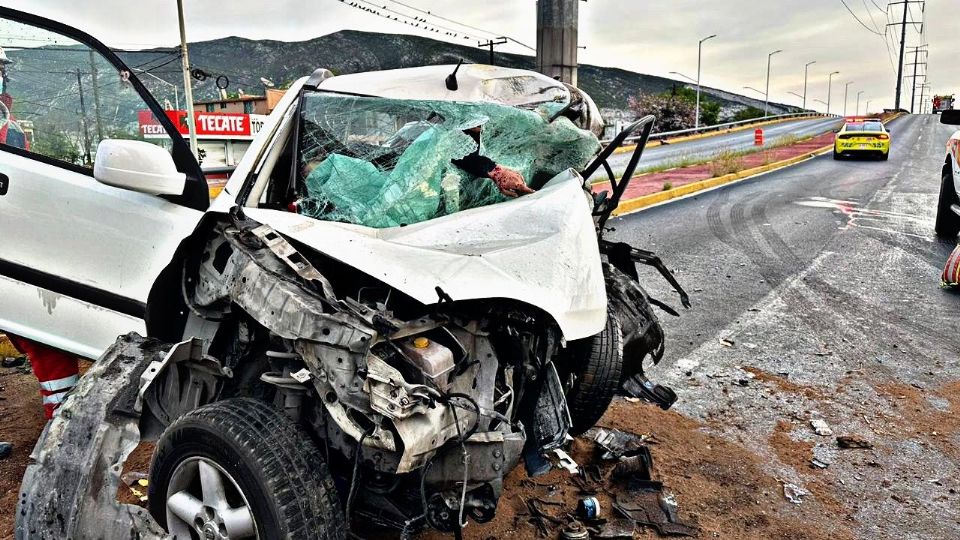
(903,40)
(920,49)
(557,39)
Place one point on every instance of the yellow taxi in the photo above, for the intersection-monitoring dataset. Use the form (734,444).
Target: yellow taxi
(862,137)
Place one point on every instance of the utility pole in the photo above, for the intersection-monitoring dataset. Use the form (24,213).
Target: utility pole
(83,121)
(696,122)
(923,90)
(766,97)
(805,69)
(557,27)
(846,88)
(96,97)
(830,89)
(903,43)
(491,43)
(913,93)
(187,87)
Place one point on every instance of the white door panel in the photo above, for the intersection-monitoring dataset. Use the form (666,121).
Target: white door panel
(67,224)
(78,258)
(60,321)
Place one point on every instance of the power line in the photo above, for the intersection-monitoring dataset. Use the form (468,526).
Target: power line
(465,25)
(418,23)
(418,10)
(176,56)
(867,28)
(870,14)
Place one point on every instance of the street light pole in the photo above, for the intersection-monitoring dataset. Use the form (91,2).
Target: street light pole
(845,88)
(687,77)
(805,68)
(187,88)
(696,121)
(766,98)
(866,112)
(830,89)
(858,102)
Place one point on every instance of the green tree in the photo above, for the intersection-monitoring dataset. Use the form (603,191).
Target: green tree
(673,112)
(57,144)
(748,113)
(709,109)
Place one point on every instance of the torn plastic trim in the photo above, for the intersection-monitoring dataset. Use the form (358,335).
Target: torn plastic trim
(625,256)
(69,489)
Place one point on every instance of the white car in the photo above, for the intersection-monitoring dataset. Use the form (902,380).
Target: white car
(352,318)
(948,206)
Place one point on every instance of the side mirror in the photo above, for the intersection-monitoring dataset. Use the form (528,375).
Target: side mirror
(137,166)
(950,117)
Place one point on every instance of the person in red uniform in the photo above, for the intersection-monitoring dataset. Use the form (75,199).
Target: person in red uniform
(56,371)
(10,132)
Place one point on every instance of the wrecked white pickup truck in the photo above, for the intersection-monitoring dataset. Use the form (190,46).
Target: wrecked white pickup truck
(356,329)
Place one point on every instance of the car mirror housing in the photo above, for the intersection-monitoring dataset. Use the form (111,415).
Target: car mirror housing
(950,117)
(137,166)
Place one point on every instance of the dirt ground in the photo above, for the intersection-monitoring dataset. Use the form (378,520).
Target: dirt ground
(21,420)
(720,485)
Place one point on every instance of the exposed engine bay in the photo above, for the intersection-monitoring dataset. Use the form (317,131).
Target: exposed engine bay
(418,388)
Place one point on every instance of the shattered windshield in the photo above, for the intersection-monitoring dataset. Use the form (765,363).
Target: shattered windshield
(386,162)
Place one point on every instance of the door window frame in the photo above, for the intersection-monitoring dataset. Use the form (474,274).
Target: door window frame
(195,193)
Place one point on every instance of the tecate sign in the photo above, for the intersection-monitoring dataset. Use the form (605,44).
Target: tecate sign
(209,125)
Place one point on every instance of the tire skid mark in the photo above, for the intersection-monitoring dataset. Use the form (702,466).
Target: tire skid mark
(715,222)
(749,239)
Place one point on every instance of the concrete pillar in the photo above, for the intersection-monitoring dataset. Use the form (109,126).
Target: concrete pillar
(557,39)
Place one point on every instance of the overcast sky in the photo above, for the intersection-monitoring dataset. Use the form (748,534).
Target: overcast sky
(640,35)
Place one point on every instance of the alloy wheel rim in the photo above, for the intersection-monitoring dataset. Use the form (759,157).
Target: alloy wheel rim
(204,502)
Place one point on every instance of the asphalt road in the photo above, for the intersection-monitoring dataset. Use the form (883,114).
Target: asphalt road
(709,146)
(823,279)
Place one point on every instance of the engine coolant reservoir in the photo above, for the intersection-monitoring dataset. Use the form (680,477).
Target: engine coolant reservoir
(433,360)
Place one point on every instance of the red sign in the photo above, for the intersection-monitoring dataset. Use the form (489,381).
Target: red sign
(209,125)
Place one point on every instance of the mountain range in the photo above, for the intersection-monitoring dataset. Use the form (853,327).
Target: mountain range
(244,61)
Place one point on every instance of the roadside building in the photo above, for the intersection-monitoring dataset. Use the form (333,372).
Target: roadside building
(225,129)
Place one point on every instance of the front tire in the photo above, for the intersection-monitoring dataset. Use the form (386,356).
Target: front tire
(239,468)
(947,224)
(597,365)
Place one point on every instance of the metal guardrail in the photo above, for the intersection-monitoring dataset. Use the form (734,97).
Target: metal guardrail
(720,127)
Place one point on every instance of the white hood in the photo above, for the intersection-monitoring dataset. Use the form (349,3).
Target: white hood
(540,249)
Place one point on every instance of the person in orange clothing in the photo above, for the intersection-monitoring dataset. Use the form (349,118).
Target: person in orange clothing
(57,371)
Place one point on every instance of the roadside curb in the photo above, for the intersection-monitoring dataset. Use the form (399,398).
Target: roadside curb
(685,138)
(638,203)
(632,205)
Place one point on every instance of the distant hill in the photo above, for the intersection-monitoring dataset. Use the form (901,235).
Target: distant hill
(244,61)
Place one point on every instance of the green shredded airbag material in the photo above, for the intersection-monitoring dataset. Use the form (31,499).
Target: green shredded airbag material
(386,162)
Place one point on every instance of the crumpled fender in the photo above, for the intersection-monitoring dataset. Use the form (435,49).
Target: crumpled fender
(69,489)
